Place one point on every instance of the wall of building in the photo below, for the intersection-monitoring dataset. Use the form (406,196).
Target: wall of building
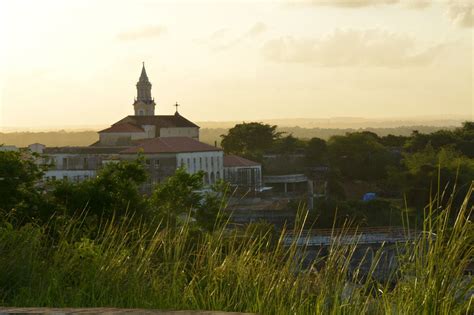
(192,132)
(71,175)
(71,161)
(143,109)
(114,138)
(212,163)
(150,131)
(248,176)
(158,166)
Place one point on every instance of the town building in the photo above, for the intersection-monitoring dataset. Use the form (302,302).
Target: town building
(166,143)
(242,173)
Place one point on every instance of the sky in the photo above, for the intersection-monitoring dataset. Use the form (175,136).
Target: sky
(77,62)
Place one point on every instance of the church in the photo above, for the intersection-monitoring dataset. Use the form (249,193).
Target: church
(167,142)
(145,124)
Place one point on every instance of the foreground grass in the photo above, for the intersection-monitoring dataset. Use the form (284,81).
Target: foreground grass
(133,265)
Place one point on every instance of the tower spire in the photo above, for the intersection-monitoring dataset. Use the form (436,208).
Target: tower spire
(143,75)
(144,103)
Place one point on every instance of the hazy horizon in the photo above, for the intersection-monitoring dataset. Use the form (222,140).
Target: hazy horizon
(328,122)
(76,63)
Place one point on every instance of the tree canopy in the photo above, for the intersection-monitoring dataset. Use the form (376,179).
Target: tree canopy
(250,139)
(359,156)
(181,195)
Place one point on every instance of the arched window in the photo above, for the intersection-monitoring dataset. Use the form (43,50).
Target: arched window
(213,179)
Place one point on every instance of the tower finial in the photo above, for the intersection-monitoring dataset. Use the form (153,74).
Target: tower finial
(176,105)
(143,76)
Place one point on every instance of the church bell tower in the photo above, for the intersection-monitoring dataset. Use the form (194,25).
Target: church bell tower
(144,104)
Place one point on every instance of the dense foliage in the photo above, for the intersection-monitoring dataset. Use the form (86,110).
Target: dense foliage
(115,192)
(66,263)
(250,139)
(404,170)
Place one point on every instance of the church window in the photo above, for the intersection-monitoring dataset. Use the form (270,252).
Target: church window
(147,162)
(157,163)
(65,177)
(212,162)
(200,162)
(207,165)
(194,163)
(182,162)
(64,163)
(189,163)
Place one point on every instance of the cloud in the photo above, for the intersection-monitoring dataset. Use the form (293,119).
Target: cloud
(219,33)
(461,13)
(217,42)
(348,3)
(417,4)
(143,33)
(255,30)
(371,48)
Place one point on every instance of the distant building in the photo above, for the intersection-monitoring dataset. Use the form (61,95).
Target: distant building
(242,173)
(167,142)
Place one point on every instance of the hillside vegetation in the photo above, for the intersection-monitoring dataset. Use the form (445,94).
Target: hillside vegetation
(207,135)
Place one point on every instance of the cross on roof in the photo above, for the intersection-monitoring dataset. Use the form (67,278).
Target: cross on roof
(176,105)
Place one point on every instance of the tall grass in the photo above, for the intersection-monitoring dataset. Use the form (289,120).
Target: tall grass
(125,264)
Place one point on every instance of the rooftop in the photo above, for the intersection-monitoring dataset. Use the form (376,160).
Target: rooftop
(123,127)
(160,121)
(170,145)
(236,161)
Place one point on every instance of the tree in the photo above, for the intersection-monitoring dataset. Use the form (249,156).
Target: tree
(114,191)
(426,169)
(461,139)
(316,151)
(393,141)
(287,145)
(250,139)
(19,178)
(181,195)
(359,156)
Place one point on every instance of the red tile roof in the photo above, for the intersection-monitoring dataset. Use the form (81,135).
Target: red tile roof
(160,121)
(123,127)
(170,145)
(236,161)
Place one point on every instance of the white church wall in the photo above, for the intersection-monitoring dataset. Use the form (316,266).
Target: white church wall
(209,162)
